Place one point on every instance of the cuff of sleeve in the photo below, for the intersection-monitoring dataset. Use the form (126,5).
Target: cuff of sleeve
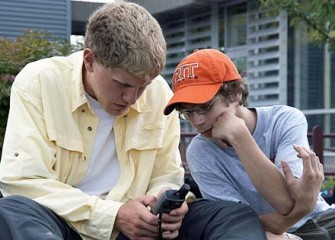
(101,220)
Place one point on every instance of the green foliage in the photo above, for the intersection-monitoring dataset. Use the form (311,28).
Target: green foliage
(317,14)
(15,54)
(328,184)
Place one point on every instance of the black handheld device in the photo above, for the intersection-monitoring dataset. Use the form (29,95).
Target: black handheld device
(170,200)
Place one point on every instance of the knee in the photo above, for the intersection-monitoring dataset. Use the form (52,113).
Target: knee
(246,210)
(235,210)
(14,199)
(16,206)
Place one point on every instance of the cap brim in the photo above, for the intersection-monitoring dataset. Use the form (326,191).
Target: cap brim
(192,94)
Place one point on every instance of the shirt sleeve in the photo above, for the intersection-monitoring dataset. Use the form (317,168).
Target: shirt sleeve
(291,129)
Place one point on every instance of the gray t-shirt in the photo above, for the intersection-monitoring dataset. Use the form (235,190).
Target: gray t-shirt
(220,174)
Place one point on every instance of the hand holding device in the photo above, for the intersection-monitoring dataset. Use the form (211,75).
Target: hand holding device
(170,200)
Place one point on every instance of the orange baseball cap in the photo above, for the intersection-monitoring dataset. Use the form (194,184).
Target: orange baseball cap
(199,76)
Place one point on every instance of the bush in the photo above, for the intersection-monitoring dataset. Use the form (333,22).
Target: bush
(15,54)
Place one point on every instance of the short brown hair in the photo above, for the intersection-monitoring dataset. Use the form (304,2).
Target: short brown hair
(125,35)
(232,88)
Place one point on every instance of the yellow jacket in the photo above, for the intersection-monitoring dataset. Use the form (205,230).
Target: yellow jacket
(49,140)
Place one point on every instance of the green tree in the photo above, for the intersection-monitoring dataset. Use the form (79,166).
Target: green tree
(15,54)
(319,15)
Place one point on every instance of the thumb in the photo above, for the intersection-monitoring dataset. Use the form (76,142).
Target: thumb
(147,200)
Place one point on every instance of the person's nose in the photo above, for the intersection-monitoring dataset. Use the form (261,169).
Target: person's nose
(131,95)
(197,119)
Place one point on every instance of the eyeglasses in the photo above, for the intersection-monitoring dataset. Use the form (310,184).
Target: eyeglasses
(202,109)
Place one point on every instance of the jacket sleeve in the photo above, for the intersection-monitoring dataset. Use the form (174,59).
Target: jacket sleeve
(28,168)
(168,170)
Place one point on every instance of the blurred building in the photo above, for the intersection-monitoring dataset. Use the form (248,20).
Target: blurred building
(282,67)
(53,16)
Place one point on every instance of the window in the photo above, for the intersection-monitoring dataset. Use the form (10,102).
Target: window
(236,25)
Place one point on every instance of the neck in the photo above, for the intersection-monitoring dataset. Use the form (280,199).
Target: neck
(86,83)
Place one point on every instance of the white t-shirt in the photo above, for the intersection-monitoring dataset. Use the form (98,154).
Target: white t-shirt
(104,168)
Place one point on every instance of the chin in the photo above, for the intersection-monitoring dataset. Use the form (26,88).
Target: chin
(114,112)
(121,112)
(117,111)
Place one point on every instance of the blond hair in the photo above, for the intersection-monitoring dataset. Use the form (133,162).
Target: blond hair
(125,35)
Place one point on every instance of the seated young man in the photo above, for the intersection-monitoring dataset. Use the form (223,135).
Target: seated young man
(257,156)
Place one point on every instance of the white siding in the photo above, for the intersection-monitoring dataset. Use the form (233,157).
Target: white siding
(267,57)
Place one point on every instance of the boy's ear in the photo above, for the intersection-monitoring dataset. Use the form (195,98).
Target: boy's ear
(88,58)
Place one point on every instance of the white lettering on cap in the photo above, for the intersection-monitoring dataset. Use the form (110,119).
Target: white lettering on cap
(184,72)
